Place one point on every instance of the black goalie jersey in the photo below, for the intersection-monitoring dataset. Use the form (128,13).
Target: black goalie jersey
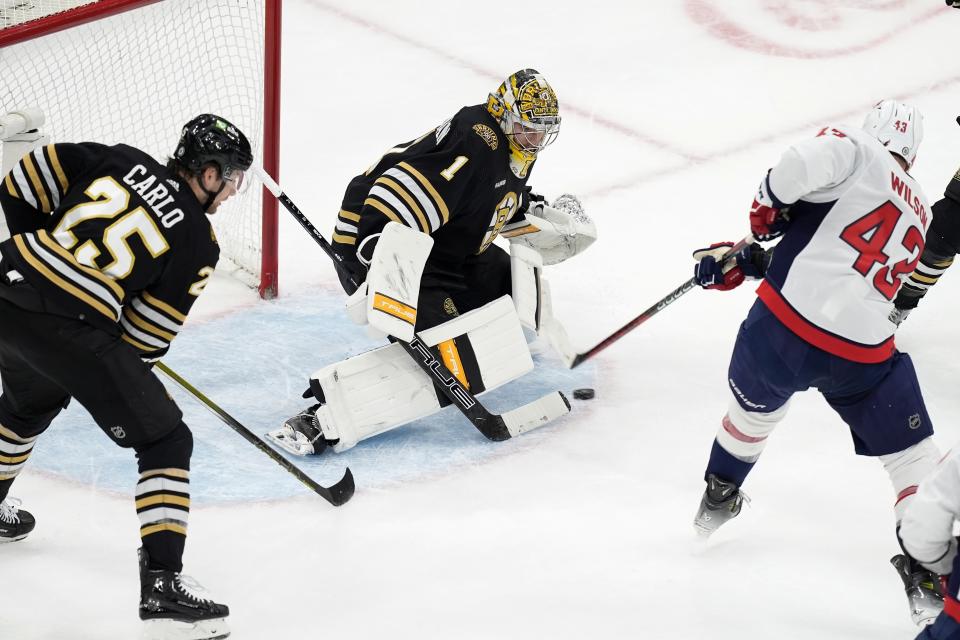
(454,183)
(109,235)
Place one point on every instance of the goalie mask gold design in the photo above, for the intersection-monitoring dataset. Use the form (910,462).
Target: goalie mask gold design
(527,109)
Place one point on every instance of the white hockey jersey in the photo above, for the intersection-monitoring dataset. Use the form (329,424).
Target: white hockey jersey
(857,227)
(927,526)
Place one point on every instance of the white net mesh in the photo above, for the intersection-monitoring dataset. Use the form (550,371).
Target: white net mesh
(137,77)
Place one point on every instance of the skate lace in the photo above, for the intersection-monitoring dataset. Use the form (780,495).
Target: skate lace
(187,586)
(8,510)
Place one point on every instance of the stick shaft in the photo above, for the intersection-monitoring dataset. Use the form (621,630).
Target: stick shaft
(653,310)
(336,498)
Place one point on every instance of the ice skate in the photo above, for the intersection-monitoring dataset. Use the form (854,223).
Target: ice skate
(922,587)
(301,435)
(15,523)
(721,502)
(171,611)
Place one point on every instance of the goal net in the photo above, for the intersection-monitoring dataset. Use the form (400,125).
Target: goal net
(135,71)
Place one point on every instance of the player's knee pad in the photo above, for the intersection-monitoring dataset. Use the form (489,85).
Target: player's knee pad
(381,389)
(172,450)
(907,468)
(743,434)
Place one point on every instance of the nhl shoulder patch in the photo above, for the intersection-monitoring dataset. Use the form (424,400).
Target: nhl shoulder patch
(489,135)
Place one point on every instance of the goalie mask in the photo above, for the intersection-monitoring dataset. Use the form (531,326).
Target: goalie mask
(898,126)
(526,107)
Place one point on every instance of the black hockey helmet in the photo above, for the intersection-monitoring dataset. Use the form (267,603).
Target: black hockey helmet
(210,139)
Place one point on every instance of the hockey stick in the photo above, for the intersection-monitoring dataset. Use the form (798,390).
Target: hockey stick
(496,427)
(335,495)
(657,307)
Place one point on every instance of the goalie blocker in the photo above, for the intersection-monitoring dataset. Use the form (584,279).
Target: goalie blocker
(382,389)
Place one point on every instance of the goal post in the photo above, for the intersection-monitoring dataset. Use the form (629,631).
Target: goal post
(134,71)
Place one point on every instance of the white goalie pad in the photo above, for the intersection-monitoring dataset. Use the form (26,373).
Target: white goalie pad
(531,296)
(382,389)
(393,280)
(525,273)
(557,232)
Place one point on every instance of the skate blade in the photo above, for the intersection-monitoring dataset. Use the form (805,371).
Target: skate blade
(14,539)
(291,445)
(168,629)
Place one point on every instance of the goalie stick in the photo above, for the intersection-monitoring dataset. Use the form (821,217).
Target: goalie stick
(656,308)
(335,495)
(496,427)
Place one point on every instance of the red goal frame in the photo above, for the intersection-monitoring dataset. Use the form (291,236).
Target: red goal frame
(269,282)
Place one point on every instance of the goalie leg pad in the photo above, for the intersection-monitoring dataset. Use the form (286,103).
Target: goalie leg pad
(384,388)
(531,296)
(526,265)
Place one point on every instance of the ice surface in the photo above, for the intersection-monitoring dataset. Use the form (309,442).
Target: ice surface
(672,112)
(254,363)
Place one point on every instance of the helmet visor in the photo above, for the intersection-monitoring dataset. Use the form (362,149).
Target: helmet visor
(238,178)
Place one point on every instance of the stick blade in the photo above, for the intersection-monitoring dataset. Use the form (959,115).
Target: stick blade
(536,414)
(342,491)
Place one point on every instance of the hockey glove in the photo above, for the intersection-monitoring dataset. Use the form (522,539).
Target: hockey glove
(906,301)
(768,219)
(713,272)
(953,3)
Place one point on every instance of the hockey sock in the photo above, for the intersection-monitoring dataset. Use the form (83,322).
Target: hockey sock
(727,467)
(163,497)
(740,441)
(907,468)
(14,451)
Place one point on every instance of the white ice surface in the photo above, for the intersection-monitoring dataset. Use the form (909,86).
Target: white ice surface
(672,113)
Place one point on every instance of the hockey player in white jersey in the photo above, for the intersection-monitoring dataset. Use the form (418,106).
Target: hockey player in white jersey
(927,534)
(851,222)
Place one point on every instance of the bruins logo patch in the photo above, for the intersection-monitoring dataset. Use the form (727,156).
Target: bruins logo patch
(956,176)
(537,101)
(489,135)
(450,309)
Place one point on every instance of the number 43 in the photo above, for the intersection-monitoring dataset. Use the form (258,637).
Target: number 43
(870,234)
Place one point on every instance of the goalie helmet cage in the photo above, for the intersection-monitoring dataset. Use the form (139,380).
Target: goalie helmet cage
(134,71)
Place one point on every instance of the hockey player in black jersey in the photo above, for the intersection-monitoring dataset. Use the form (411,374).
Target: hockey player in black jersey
(416,232)
(942,245)
(109,249)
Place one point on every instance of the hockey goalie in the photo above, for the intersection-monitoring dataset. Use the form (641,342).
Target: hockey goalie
(415,244)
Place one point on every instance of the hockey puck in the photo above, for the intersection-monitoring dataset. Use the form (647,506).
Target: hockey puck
(583,394)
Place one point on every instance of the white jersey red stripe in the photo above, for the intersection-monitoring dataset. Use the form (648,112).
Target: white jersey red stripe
(857,224)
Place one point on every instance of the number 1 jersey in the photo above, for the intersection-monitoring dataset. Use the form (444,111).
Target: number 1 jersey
(856,232)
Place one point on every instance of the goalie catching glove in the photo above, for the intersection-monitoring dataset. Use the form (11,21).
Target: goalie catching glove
(712,271)
(556,231)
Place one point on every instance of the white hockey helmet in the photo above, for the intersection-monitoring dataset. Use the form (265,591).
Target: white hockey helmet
(898,126)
